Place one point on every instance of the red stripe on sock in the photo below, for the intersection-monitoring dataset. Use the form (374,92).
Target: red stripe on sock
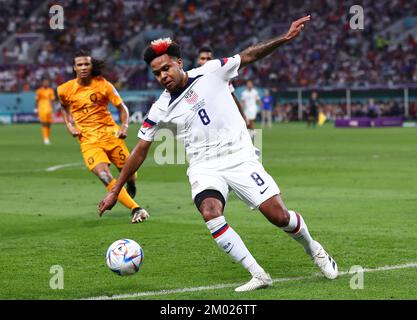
(221,232)
(297,228)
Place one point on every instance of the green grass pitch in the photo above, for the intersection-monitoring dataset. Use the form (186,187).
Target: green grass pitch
(356,188)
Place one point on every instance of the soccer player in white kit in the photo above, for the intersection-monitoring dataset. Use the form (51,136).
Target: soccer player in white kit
(250,99)
(220,151)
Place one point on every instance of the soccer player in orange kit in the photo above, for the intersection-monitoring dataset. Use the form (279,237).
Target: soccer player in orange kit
(84,102)
(44,98)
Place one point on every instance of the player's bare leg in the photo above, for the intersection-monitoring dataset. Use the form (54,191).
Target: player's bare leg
(293,223)
(251,129)
(102,171)
(250,125)
(230,242)
(130,184)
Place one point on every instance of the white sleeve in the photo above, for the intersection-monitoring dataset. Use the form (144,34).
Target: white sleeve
(208,67)
(228,67)
(225,68)
(150,125)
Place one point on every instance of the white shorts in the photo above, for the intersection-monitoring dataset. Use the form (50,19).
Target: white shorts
(250,113)
(249,180)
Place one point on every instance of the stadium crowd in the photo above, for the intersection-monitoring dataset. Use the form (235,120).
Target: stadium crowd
(286,112)
(330,54)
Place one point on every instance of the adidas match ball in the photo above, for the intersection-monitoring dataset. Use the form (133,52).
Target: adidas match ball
(124,257)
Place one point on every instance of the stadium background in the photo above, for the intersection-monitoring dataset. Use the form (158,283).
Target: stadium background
(347,67)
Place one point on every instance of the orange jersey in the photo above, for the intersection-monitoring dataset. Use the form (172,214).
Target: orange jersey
(89,107)
(44,98)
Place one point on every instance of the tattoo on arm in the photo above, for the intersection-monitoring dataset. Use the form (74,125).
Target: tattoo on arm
(260,50)
(263,49)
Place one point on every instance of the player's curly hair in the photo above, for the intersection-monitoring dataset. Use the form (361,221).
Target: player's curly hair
(98,65)
(160,47)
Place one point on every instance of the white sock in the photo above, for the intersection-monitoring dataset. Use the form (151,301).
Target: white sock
(228,240)
(297,229)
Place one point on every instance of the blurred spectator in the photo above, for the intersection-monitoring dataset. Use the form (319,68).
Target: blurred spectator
(328,53)
(250,101)
(267,103)
(313,110)
(373,109)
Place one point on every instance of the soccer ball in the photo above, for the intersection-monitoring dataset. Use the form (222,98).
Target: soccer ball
(124,257)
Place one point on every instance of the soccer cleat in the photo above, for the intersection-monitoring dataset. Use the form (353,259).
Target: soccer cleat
(46,142)
(139,215)
(326,263)
(131,189)
(258,281)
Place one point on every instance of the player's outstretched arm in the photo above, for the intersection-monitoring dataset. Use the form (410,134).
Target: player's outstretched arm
(261,50)
(134,161)
(67,118)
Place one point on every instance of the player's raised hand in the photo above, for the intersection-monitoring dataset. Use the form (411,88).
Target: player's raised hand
(296,27)
(107,203)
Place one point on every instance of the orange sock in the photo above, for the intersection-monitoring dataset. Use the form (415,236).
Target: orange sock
(45,133)
(48,132)
(124,197)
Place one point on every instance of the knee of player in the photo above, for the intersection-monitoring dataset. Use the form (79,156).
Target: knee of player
(279,216)
(210,203)
(282,217)
(210,209)
(105,177)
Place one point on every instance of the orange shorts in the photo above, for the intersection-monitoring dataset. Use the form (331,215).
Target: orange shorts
(45,116)
(113,151)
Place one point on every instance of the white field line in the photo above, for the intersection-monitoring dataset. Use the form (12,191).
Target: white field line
(49,169)
(223,286)
(62,166)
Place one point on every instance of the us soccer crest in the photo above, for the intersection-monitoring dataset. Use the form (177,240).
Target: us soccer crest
(191,97)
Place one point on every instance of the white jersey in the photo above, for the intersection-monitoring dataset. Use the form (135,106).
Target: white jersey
(207,118)
(250,97)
